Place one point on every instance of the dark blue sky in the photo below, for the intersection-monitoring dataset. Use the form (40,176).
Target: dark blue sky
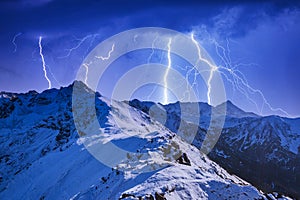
(264,33)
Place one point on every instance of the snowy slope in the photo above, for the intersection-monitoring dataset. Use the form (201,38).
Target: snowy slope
(43,157)
(262,150)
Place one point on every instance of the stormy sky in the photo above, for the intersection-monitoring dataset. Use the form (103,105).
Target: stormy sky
(261,40)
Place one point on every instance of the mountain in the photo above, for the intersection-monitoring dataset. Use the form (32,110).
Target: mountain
(261,150)
(46,154)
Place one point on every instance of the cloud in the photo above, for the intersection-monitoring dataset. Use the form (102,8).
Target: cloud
(10,73)
(23,4)
(238,20)
(267,36)
(225,22)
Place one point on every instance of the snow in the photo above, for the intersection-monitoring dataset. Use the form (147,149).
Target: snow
(42,156)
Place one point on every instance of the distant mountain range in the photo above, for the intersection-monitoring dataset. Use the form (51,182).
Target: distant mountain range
(262,150)
(43,155)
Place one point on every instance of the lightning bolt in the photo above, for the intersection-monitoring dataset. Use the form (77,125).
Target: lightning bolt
(189,72)
(43,62)
(14,41)
(167,72)
(86,72)
(213,68)
(148,61)
(86,65)
(233,75)
(78,45)
(80,42)
(242,85)
(109,54)
(152,49)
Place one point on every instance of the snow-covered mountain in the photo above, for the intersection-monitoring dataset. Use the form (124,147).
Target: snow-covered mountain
(262,150)
(43,155)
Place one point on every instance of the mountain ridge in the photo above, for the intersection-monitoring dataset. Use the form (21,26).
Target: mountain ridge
(247,142)
(43,156)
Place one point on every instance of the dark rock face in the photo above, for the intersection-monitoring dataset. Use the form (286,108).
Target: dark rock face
(159,196)
(255,152)
(6,105)
(259,156)
(184,160)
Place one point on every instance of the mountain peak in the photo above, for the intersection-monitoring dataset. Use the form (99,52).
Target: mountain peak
(234,111)
(38,130)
